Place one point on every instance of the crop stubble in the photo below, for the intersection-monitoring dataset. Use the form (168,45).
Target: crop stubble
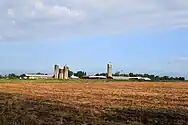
(109,103)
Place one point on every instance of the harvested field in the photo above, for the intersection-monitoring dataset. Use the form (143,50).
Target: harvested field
(109,103)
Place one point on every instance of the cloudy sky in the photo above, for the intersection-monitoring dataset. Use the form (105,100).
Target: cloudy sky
(135,35)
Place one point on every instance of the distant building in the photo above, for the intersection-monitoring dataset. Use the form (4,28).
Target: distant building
(94,77)
(97,77)
(74,77)
(130,78)
(35,76)
(56,71)
(120,78)
(61,72)
(109,71)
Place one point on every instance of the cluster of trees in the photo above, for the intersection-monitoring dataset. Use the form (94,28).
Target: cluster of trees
(101,74)
(10,76)
(80,74)
(14,76)
(152,77)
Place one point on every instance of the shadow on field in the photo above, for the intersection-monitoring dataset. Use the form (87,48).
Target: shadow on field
(148,116)
(15,109)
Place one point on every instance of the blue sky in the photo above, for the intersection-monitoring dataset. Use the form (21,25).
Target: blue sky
(163,52)
(141,36)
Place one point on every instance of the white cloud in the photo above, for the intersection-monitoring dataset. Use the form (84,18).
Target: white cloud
(180,26)
(55,10)
(13,22)
(39,5)
(10,13)
(54,18)
(185,58)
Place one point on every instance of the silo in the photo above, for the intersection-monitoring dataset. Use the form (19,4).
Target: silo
(60,73)
(109,70)
(66,72)
(56,71)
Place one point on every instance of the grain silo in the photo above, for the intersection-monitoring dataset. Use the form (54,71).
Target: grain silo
(61,73)
(66,72)
(109,70)
(56,71)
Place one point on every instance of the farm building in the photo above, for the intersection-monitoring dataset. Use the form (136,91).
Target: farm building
(74,77)
(62,73)
(130,78)
(35,76)
(94,77)
(117,78)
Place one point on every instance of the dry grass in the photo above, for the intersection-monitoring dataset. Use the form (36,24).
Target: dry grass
(102,103)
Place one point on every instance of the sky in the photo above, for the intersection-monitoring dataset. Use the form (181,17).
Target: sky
(139,36)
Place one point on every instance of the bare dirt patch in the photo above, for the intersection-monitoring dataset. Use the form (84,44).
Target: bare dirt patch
(94,104)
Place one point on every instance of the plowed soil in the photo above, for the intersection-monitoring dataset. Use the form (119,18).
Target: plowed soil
(112,103)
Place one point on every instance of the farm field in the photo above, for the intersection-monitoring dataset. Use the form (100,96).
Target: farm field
(93,103)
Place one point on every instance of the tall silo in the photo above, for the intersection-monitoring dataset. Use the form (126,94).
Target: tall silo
(66,72)
(109,70)
(56,71)
(60,73)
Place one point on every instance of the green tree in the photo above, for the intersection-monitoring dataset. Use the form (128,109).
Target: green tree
(101,74)
(146,75)
(152,77)
(13,76)
(117,73)
(131,75)
(80,74)
(166,78)
(23,75)
(122,74)
(126,75)
(181,78)
(157,78)
(139,75)
(97,74)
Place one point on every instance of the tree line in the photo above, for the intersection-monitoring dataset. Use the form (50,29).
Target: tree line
(10,76)
(152,77)
(81,74)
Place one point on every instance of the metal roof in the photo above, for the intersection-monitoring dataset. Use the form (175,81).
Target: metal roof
(127,78)
(104,77)
(35,75)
